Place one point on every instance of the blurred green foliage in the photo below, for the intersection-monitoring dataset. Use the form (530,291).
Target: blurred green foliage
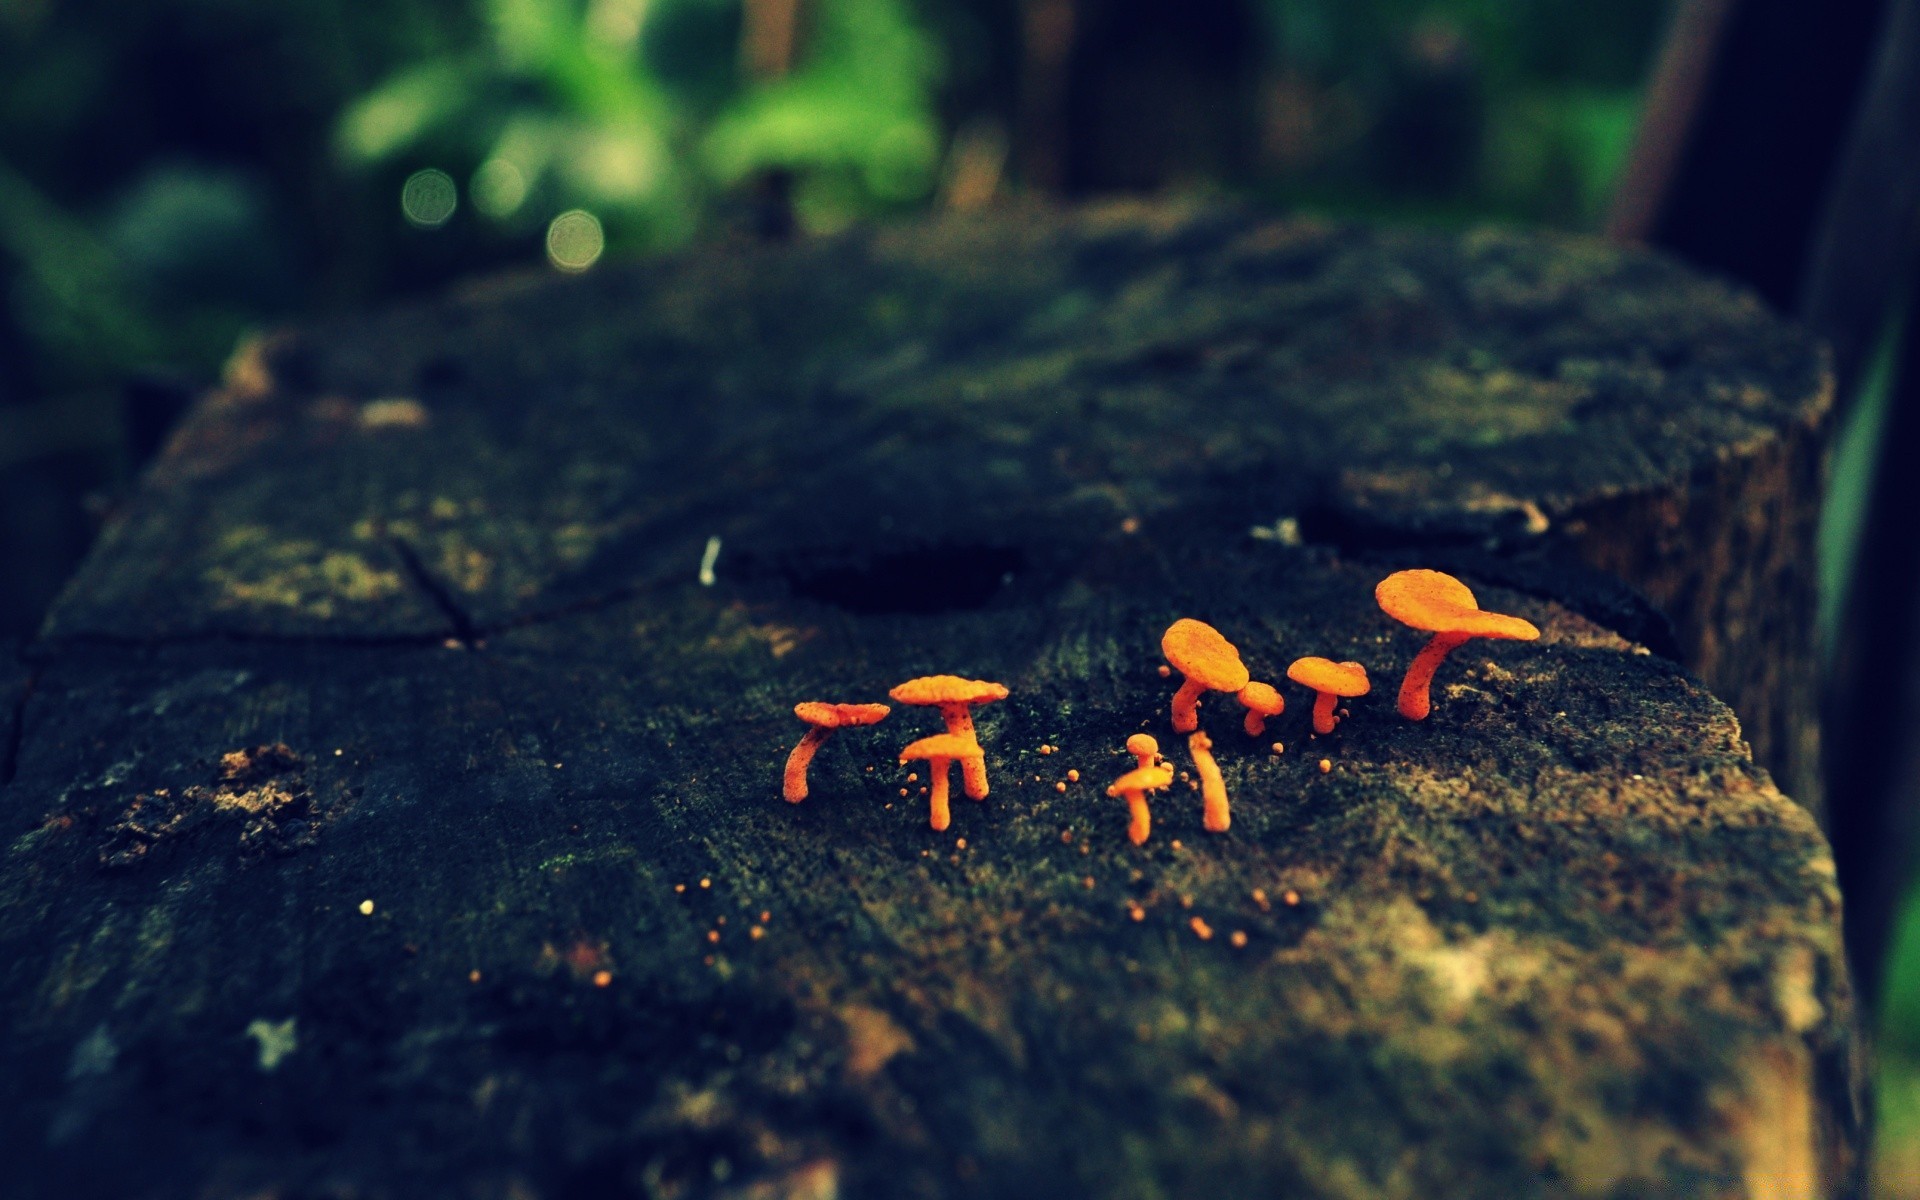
(173,173)
(1897,1081)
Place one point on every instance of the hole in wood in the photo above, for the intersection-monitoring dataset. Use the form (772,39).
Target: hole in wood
(922,580)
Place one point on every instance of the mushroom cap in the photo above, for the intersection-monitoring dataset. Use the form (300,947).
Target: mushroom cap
(1261,698)
(1142,743)
(943,745)
(837,716)
(1142,779)
(1325,675)
(1198,651)
(948,689)
(1439,603)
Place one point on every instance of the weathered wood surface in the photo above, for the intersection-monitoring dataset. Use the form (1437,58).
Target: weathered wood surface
(1012,389)
(1565,938)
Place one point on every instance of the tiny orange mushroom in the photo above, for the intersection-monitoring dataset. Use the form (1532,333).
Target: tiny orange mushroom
(1215,815)
(1145,750)
(1445,607)
(1135,785)
(939,751)
(1331,681)
(1261,701)
(955,697)
(824,719)
(1207,660)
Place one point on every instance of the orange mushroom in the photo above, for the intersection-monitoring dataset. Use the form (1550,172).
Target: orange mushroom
(1135,785)
(954,697)
(1261,702)
(1330,681)
(1213,789)
(1145,750)
(824,719)
(1208,661)
(939,751)
(1442,605)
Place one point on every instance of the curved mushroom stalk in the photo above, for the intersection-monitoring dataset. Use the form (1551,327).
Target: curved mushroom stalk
(973,771)
(1140,820)
(1323,718)
(822,719)
(795,782)
(940,816)
(1186,706)
(1415,699)
(1215,815)
(1135,785)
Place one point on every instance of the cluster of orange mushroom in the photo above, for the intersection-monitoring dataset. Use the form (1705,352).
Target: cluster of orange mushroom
(1426,600)
(952,695)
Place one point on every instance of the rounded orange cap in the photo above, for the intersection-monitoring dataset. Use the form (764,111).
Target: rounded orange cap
(1439,603)
(838,716)
(1261,698)
(948,689)
(1325,675)
(943,745)
(1142,779)
(1199,651)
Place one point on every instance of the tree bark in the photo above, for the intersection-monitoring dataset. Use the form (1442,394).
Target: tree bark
(397,805)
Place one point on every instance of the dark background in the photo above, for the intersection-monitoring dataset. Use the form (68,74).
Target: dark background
(176,174)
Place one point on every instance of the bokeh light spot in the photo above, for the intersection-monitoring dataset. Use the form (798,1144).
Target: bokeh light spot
(428,198)
(498,188)
(575,240)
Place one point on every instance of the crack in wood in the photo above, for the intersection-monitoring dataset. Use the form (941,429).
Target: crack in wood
(17,725)
(464,630)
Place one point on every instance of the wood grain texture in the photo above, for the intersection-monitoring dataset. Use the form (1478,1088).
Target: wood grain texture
(1564,938)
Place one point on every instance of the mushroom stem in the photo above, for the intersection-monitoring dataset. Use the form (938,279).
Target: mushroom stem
(1142,823)
(1255,724)
(1415,703)
(795,787)
(937,794)
(1143,761)
(973,771)
(1186,706)
(1213,789)
(1323,718)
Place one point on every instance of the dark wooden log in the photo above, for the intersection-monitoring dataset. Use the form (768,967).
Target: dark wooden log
(396,806)
(1381,389)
